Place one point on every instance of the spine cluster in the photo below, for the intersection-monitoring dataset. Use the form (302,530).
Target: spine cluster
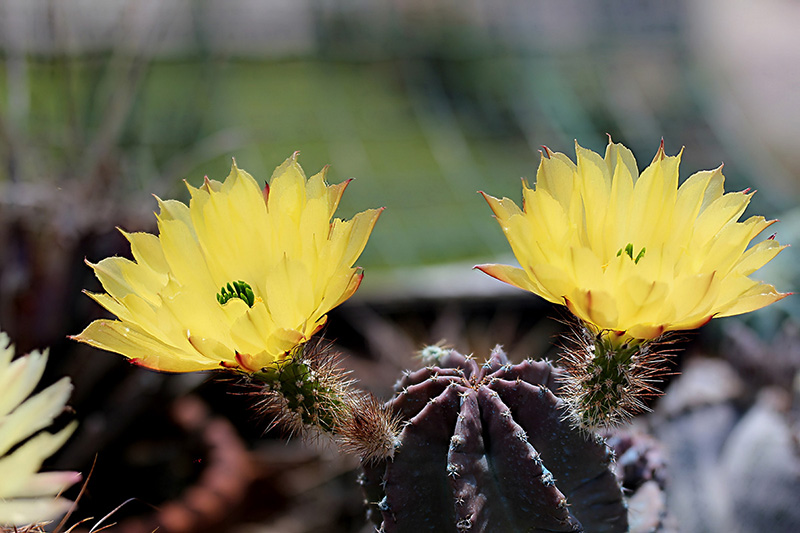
(485,447)
(309,392)
(605,384)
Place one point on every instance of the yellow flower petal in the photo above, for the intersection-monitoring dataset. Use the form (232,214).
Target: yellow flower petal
(693,196)
(141,348)
(757,256)
(27,496)
(596,307)
(18,378)
(147,251)
(237,278)
(355,233)
(508,274)
(639,299)
(727,208)
(634,254)
(18,467)
(340,287)
(555,284)
(34,414)
(556,177)
(502,209)
(757,296)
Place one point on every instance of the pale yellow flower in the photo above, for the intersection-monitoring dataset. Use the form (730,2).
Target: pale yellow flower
(26,495)
(633,255)
(236,279)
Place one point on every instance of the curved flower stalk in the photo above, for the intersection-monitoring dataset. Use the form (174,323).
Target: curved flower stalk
(632,256)
(28,496)
(240,279)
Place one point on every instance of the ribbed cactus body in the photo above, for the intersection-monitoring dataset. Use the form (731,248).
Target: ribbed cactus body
(487,447)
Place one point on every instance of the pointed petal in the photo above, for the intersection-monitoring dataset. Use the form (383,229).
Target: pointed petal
(141,348)
(758,256)
(758,296)
(34,414)
(508,274)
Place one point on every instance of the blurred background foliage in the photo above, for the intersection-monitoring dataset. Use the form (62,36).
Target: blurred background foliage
(424,102)
(103,103)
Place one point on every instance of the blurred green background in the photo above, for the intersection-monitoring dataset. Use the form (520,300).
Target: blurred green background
(424,102)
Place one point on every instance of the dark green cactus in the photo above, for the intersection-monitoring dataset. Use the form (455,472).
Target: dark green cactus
(488,447)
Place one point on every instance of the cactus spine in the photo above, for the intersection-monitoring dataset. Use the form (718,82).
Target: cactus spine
(606,381)
(307,391)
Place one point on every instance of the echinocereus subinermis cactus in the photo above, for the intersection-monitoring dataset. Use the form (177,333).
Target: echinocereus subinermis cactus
(240,280)
(486,447)
(632,256)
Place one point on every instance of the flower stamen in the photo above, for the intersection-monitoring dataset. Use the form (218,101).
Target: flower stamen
(237,289)
(629,251)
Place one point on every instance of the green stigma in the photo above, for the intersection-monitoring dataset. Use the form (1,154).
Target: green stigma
(237,289)
(629,251)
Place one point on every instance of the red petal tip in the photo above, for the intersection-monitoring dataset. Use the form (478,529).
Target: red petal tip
(483,268)
(485,197)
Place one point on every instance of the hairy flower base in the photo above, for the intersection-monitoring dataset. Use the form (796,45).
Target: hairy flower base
(308,392)
(606,382)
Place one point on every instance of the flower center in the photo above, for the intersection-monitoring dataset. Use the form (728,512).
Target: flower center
(629,251)
(237,289)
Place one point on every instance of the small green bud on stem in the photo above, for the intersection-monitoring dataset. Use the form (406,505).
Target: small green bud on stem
(312,397)
(310,391)
(606,383)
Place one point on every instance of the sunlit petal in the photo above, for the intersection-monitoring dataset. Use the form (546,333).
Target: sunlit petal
(237,278)
(634,254)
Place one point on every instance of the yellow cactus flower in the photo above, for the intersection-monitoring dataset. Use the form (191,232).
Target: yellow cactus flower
(634,255)
(28,496)
(236,279)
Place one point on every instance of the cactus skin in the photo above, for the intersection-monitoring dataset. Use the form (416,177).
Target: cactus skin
(488,448)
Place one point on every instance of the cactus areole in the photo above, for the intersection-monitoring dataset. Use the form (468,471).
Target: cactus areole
(488,448)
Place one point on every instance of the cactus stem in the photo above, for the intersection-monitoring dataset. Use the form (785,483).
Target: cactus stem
(606,383)
(307,392)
